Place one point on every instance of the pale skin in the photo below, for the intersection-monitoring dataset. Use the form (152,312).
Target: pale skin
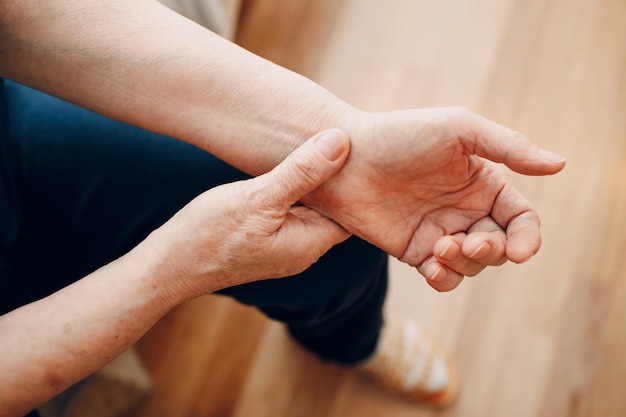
(417,183)
(229,235)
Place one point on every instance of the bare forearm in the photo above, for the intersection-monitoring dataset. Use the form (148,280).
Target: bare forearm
(57,341)
(140,63)
(230,235)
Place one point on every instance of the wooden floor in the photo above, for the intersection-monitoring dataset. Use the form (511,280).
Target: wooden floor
(547,338)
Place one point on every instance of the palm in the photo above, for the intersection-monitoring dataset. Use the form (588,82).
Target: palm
(412,178)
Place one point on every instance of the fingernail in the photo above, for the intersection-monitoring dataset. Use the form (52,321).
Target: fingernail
(551,156)
(447,252)
(331,143)
(481,251)
(439,276)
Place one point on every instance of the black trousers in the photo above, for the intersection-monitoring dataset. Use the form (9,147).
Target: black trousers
(78,190)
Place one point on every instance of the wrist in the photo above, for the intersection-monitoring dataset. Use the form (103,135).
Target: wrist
(329,197)
(156,269)
(176,264)
(291,118)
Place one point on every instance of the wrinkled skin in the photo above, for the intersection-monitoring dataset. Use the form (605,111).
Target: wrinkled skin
(419,185)
(252,230)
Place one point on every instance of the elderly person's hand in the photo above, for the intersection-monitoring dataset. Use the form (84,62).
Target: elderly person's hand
(229,235)
(419,185)
(251,230)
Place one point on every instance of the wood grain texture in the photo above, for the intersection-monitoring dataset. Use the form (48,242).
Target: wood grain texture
(546,338)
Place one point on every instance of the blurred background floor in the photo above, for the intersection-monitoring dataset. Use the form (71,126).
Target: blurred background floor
(546,338)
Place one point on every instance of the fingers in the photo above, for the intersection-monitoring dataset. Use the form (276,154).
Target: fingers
(522,223)
(485,243)
(438,275)
(468,253)
(307,167)
(497,143)
(302,233)
(465,254)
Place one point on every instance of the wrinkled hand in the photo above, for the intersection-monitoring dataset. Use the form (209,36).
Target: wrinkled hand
(418,184)
(251,230)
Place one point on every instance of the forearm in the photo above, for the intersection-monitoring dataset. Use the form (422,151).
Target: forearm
(55,342)
(140,63)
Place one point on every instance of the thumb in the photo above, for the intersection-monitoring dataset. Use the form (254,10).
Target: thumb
(498,143)
(309,166)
